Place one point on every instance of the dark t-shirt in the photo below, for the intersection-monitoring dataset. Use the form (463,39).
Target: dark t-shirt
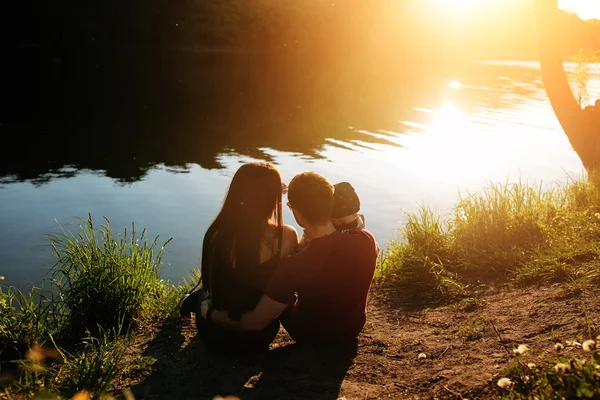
(332,276)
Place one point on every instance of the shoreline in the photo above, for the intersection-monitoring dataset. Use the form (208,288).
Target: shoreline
(451,307)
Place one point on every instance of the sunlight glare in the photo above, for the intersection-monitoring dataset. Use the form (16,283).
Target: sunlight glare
(585,9)
(455,85)
(457,3)
(452,146)
(448,117)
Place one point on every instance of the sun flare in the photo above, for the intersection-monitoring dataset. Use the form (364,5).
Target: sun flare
(457,3)
(586,9)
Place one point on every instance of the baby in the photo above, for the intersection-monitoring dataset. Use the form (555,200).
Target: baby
(345,215)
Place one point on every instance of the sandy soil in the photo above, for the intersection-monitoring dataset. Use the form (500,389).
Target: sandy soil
(456,351)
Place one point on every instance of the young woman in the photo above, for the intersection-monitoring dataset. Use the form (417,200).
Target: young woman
(241,250)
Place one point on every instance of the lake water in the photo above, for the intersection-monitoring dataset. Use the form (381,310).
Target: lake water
(446,133)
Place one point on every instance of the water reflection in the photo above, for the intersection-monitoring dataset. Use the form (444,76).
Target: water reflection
(219,110)
(419,141)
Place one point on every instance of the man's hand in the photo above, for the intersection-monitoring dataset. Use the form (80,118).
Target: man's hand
(204,307)
(266,311)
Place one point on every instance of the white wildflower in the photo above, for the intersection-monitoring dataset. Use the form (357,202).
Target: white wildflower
(531,366)
(522,349)
(526,379)
(504,383)
(589,345)
(562,367)
(422,355)
(558,347)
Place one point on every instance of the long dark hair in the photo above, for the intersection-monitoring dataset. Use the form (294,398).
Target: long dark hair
(234,238)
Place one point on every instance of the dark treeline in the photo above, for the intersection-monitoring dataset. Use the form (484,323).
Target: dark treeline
(323,28)
(84,82)
(122,43)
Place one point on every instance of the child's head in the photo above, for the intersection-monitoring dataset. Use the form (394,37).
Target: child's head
(346,204)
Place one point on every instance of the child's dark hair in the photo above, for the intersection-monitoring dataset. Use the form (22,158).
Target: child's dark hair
(345,200)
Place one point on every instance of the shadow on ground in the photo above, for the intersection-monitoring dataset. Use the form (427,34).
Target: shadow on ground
(184,369)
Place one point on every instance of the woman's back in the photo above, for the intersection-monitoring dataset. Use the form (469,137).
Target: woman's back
(238,288)
(241,250)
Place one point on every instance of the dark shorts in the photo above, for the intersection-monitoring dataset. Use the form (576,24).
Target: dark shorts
(303,330)
(219,339)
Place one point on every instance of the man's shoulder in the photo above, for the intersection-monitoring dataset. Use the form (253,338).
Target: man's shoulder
(361,234)
(362,241)
(312,253)
(306,253)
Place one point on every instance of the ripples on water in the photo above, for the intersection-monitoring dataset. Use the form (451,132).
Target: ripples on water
(454,133)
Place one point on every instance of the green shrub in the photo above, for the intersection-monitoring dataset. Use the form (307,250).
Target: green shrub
(25,318)
(415,267)
(517,232)
(97,365)
(103,280)
(495,230)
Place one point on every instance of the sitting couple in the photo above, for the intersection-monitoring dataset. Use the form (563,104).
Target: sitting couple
(255,273)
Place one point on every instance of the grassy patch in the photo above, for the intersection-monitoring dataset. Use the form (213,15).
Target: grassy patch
(105,280)
(469,304)
(517,233)
(72,336)
(25,318)
(474,328)
(415,267)
(97,365)
(561,377)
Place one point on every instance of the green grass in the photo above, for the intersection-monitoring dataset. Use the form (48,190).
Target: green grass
(560,377)
(103,284)
(100,360)
(92,367)
(474,328)
(101,287)
(470,304)
(415,266)
(103,279)
(512,232)
(25,318)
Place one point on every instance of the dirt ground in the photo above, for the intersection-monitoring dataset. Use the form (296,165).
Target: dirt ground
(456,351)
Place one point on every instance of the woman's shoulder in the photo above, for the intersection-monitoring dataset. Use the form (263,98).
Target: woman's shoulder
(285,230)
(289,231)
(289,240)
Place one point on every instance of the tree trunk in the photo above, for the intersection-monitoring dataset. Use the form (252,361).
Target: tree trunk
(582,127)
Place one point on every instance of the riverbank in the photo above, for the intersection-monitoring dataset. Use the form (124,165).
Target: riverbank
(405,352)
(457,351)
(460,306)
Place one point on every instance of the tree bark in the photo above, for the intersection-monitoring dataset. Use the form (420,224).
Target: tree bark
(582,127)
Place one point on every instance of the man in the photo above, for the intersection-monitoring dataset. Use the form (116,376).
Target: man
(331,276)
